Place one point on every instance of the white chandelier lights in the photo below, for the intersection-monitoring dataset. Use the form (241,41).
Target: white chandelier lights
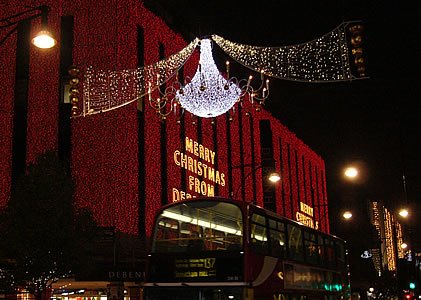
(209,93)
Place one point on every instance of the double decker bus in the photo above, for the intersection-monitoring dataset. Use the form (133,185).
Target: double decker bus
(217,248)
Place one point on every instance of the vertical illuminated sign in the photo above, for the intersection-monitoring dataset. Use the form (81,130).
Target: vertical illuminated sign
(199,162)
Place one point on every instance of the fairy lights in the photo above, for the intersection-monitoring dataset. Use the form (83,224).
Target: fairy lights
(209,94)
(106,90)
(321,60)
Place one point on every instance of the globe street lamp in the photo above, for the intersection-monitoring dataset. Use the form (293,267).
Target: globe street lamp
(351,172)
(347,215)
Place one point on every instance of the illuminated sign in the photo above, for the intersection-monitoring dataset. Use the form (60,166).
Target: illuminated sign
(199,162)
(195,267)
(306,216)
(126,275)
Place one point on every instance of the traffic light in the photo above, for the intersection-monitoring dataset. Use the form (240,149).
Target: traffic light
(412,285)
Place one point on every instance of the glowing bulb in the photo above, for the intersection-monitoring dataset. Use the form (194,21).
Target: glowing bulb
(44,40)
(274,177)
(351,172)
(404,213)
(347,215)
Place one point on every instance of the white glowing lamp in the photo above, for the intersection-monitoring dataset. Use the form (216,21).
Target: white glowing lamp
(274,177)
(351,172)
(44,40)
(208,94)
(347,215)
(404,213)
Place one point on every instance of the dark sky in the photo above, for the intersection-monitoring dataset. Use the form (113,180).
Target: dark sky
(374,122)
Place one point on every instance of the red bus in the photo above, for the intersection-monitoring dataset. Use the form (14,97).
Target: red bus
(217,248)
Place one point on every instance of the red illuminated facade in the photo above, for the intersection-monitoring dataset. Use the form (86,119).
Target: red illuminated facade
(126,163)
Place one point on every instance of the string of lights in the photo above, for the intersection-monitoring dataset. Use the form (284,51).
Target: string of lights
(106,90)
(208,93)
(324,59)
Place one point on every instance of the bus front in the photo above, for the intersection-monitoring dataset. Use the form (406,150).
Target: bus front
(197,252)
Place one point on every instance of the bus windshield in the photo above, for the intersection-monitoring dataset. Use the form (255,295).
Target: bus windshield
(199,226)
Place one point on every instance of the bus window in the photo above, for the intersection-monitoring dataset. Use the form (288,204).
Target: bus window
(214,239)
(329,252)
(277,242)
(321,249)
(167,235)
(199,226)
(295,242)
(192,237)
(340,253)
(258,236)
(310,248)
(233,242)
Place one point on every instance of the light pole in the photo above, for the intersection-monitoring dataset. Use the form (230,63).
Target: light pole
(273,177)
(43,39)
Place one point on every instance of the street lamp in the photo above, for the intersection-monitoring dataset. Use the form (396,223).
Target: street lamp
(351,172)
(347,215)
(43,39)
(404,213)
(273,177)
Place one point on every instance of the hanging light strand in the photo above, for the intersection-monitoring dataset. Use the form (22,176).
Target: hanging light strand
(106,90)
(324,59)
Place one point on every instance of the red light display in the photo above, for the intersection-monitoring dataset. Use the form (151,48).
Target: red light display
(105,158)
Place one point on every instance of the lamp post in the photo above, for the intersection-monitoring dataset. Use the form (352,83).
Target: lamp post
(273,176)
(43,39)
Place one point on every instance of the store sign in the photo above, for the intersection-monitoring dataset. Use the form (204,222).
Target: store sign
(306,216)
(199,162)
(126,275)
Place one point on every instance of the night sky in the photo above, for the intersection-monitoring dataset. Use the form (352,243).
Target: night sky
(372,122)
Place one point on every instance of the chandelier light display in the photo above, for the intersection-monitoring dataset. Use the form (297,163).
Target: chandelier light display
(209,93)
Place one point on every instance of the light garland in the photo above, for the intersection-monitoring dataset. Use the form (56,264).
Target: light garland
(321,60)
(325,59)
(105,90)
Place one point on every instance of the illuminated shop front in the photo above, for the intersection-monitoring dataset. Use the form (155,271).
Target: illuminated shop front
(126,163)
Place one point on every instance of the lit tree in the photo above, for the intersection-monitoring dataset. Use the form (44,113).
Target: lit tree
(39,227)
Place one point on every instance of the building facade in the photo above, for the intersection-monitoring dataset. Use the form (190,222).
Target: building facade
(126,163)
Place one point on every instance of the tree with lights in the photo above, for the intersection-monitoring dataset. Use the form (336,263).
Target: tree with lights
(41,234)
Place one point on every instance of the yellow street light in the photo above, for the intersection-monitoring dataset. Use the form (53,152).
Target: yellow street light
(347,215)
(351,172)
(274,177)
(44,40)
(404,213)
